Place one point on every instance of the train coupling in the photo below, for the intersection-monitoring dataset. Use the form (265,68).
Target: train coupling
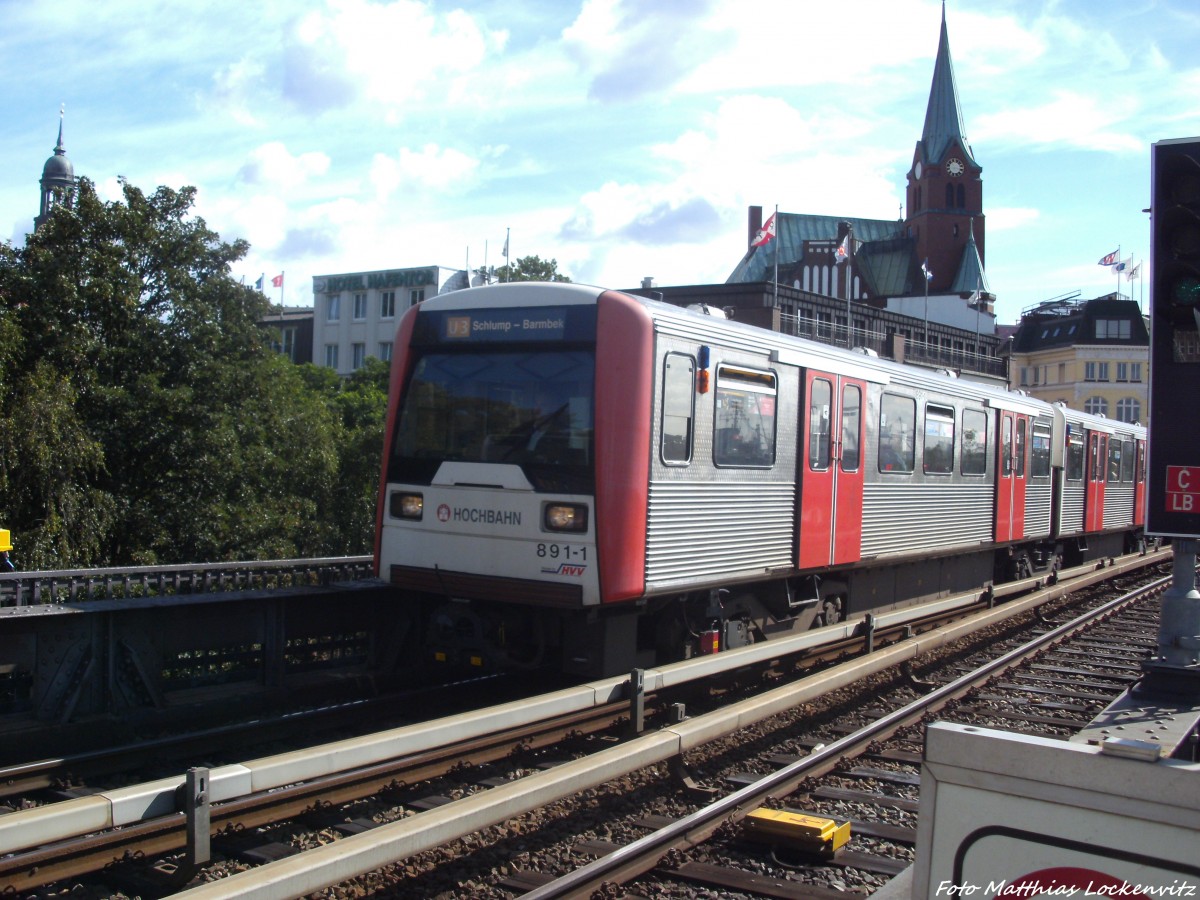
(809,835)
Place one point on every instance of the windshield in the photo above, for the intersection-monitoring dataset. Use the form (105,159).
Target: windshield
(532,409)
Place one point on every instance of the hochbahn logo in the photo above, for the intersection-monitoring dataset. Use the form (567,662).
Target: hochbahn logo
(477,515)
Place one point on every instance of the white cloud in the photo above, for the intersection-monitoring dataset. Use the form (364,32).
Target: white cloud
(430,168)
(1069,119)
(273,165)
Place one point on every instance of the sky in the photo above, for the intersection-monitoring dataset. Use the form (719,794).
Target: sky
(623,138)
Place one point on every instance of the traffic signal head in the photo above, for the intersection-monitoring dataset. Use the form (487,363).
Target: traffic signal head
(1174,433)
(1175,234)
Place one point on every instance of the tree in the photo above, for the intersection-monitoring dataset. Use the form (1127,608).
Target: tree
(531,268)
(146,419)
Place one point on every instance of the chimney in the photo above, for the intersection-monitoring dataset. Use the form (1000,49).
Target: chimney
(755,225)
(647,282)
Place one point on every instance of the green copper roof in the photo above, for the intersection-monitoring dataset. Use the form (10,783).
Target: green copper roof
(970,275)
(943,116)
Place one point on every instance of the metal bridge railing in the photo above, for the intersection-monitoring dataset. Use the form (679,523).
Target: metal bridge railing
(77,585)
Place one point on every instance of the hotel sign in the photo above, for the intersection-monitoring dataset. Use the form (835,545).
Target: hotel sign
(394,278)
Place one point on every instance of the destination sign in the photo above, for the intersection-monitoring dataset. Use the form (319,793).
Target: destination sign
(511,325)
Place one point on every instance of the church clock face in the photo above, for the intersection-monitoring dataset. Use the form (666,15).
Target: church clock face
(917,170)
(955,167)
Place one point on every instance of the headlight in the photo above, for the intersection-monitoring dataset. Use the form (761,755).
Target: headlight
(565,517)
(407,506)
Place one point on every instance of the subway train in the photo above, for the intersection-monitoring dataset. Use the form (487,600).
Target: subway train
(585,479)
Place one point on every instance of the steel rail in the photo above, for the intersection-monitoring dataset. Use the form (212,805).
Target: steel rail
(359,854)
(643,854)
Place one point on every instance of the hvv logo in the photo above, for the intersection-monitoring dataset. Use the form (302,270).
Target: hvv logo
(565,569)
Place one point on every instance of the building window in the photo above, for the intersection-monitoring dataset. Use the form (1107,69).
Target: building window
(333,308)
(358,354)
(331,356)
(385,351)
(360,306)
(1129,371)
(961,196)
(1114,329)
(1095,371)
(387,305)
(1024,376)
(1097,406)
(1129,409)
(415,297)
(287,343)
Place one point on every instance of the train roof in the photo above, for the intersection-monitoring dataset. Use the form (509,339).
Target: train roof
(782,348)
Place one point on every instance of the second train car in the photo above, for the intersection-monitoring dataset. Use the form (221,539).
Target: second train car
(586,479)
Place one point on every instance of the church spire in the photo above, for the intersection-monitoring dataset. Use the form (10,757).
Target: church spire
(943,115)
(58,178)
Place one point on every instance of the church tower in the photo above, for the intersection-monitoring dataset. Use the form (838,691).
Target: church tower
(58,180)
(945,190)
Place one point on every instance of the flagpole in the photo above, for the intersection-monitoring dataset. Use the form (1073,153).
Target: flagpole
(776,255)
(507,255)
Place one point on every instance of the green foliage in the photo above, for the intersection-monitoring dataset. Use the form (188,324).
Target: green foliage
(145,417)
(531,268)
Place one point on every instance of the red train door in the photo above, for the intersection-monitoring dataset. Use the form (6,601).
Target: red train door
(1139,485)
(1012,472)
(1093,507)
(831,479)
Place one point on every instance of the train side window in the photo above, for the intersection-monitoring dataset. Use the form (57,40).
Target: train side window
(1139,471)
(678,409)
(819,412)
(1019,461)
(939,440)
(851,426)
(897,426)
(1114,459)
(1074,457)
(1127,461)
(1039,466)
(744,420)
(974,442)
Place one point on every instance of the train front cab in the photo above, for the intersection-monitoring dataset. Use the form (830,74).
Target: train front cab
(504,540)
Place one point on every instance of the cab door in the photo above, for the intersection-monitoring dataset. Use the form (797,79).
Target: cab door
(831,470)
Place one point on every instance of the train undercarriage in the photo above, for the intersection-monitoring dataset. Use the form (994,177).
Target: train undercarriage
(476,635)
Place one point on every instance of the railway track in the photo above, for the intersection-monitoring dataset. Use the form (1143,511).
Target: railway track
(328,811)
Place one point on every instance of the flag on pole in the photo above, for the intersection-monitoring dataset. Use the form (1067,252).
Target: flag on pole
(765,233)
(842,253)
(504,252)
(1122,265)
(925,271)
(1135,272)
(261,278)
(1109,259)
(973,301)
(277,281)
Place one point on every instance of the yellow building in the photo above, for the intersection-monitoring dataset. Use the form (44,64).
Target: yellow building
(1092,355)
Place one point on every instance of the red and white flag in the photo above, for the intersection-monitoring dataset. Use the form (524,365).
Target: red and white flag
(765,233)
(1109,259)
(277,281)
(842,253)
